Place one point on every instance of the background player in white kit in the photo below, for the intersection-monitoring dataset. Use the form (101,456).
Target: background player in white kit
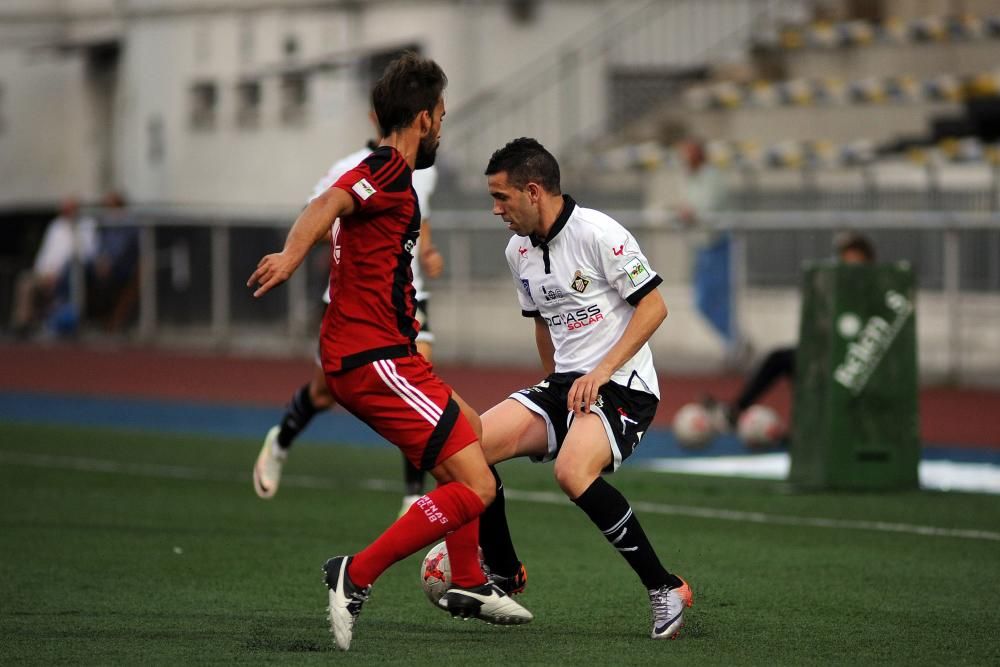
(593,297)
(314,396)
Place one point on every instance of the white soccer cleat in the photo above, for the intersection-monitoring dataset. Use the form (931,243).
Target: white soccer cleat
(346,600)
(668,610)
(486,602)
(407,502)
(267,469)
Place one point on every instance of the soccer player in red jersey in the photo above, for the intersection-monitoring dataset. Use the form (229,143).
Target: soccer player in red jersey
(371,364)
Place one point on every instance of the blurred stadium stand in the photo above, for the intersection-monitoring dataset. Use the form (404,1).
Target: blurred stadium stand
(878,115)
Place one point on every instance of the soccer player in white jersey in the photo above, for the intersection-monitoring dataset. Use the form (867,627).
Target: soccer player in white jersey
(592,295)
(314,396)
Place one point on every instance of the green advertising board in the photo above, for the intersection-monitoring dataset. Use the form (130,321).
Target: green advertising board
(855,423)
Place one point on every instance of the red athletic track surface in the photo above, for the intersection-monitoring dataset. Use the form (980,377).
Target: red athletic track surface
(969,417)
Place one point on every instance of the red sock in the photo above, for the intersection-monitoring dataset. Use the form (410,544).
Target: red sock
(463,555)
(445,509)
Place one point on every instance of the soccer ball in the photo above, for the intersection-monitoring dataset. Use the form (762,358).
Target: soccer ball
(759,427)
(693,426)
(435,572)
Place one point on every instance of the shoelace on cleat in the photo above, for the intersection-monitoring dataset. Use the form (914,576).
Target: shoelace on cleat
(358,598)
(660,601)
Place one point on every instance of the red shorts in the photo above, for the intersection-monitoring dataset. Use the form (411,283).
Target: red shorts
(404,402)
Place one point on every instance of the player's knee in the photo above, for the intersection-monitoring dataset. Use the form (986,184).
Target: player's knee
(320,395)
(486,490)
(570,478)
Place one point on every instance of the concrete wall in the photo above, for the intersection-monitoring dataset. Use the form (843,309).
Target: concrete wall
(166,47)
(46,131)
(47,144)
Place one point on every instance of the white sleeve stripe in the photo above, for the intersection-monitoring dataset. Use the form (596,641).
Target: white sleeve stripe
(411,392)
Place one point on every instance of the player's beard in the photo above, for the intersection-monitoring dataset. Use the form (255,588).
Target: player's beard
(427,152)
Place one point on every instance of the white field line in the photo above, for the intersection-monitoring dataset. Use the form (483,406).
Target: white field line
(160,471)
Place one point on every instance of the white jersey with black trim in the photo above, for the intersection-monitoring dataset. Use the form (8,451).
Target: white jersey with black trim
(424,182)
(584,282)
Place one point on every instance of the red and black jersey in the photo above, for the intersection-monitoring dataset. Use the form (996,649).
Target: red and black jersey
(372,305)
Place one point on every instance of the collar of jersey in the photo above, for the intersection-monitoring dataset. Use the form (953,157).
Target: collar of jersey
(567,210)
(390,149)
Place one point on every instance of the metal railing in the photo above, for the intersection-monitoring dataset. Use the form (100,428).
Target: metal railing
(194,265)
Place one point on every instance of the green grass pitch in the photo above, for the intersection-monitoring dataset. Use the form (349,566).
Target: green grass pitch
(126,548)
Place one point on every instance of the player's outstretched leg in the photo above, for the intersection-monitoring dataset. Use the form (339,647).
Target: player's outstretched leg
(612,514)
(349,578)
(346,600)
(668,603)
(502,564)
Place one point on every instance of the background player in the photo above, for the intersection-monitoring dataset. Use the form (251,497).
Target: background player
(370,359)
(850,248)
(583,279)
(314,396)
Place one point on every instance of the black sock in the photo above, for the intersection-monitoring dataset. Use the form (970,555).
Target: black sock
(414,478)
(494,535)
(611,513)
(298,413)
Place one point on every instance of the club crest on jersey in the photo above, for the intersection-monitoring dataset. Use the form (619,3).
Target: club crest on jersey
(636,271)
(523,250)
(580,281)
(363,189)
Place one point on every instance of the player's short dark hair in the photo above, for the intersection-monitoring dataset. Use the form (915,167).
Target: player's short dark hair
(410,84)
(526,161)
(855,241)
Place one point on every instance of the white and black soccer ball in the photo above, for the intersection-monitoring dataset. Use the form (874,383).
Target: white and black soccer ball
(693,426)
(760,427)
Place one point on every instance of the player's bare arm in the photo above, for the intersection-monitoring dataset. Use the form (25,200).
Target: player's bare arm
(430,259)
(310,227)
(546,350)
(649,314)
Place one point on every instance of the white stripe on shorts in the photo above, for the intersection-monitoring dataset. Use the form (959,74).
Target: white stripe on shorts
(413,397)
(415,393)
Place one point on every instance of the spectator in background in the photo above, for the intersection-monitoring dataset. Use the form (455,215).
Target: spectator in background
(46,292)
(704,194)
(113,276)
(850,248)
